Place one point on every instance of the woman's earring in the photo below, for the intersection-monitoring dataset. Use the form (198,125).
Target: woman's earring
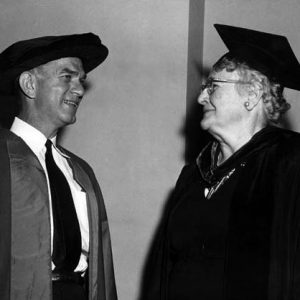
(246,104)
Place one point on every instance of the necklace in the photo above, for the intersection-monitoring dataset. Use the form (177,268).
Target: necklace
(208,192)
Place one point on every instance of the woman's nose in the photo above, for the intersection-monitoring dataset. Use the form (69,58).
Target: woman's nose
(203,98)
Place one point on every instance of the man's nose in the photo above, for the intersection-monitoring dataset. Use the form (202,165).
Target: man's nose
(78,88)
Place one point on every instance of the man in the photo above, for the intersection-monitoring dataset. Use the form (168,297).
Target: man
(54,241)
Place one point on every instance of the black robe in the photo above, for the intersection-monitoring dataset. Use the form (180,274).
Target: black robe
(262,251)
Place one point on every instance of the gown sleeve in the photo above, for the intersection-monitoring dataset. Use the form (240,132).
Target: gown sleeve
(285,247)
(158,263)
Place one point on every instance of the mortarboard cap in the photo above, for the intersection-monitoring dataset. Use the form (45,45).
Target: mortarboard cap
(268,53)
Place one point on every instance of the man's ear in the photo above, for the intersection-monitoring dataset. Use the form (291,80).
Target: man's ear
(27,84)
(254,95)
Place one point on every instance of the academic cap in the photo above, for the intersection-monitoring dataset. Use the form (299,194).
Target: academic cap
(28,54)
(270,54)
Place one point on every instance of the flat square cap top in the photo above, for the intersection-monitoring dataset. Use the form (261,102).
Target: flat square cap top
(268,53)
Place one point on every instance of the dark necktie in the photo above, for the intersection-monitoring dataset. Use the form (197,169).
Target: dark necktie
(66,237)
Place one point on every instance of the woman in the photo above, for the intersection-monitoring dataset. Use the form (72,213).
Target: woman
(232,227)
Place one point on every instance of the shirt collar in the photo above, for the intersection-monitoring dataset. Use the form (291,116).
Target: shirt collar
(35,139)
(53,140)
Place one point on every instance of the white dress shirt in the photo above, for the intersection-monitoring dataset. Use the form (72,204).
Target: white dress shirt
(36,142)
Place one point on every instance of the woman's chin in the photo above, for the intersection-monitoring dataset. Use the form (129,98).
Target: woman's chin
(205,124)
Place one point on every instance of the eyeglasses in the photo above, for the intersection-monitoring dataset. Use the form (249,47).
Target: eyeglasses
(209,85)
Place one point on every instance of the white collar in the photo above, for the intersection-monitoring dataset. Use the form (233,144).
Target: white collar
(35,139)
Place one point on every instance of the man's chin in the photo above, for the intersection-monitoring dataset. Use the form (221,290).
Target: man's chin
(73,120)
(70,121)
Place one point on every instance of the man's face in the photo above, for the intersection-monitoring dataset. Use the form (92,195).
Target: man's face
(223,104)
(59,91)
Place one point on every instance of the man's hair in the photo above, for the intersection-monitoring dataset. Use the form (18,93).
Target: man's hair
(273,99)
(18,94)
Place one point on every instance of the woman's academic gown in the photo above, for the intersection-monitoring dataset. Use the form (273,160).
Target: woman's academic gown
(231,232)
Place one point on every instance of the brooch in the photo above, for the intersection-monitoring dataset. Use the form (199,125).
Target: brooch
(208,192)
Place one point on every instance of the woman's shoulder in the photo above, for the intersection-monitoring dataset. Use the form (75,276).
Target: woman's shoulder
(189,173)
(188,170)
(287,145)
(288,138)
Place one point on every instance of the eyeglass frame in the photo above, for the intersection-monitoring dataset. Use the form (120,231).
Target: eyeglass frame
(210,81)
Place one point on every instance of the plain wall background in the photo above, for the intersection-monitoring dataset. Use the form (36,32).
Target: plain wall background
(131,124)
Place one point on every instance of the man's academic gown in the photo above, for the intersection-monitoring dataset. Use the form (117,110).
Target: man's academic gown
(262,252)
(25,245)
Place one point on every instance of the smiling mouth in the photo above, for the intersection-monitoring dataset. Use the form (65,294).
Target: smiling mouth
(74,103)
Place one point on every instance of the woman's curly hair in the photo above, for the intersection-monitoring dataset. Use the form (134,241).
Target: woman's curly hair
(275,103)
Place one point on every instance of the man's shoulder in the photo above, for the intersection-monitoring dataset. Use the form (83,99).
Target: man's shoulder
(75,158)
(6,134)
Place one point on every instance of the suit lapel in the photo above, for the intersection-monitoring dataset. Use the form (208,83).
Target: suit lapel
(96,263)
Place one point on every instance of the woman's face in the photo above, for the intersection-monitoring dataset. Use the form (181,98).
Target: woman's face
(223,105)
